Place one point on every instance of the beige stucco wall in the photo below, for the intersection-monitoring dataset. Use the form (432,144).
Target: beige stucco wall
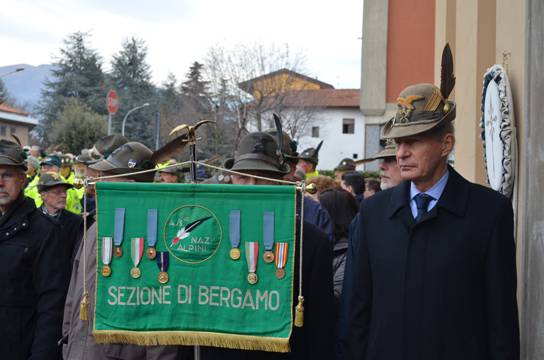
(483,33)
(21,131)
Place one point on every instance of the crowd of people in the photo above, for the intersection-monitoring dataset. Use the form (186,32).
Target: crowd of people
(418,265)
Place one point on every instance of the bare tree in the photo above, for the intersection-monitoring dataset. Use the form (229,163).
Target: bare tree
(251,102)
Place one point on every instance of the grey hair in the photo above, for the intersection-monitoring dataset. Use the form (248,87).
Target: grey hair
(443,129)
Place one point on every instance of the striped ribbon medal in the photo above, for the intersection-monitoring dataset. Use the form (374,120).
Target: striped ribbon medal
(136,253)
(163,261)
(281,259)
(107,248)
(252,257)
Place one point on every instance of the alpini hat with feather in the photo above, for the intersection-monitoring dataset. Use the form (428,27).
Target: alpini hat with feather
(422,107)
(311,154)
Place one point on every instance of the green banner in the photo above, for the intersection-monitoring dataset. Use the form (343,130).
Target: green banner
(219,274)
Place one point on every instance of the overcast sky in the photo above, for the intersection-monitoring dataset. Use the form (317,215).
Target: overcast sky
(178,32)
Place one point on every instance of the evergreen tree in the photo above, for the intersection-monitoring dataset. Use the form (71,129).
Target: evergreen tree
(3,92)
(197,105)
(131,77)
(78,74)
(170,106)
(195,85)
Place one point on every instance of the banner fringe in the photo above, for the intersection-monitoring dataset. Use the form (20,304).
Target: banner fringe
(193,338)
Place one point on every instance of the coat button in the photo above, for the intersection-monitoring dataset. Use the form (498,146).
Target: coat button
(7,234)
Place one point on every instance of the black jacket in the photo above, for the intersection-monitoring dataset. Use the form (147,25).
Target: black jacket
(442,289)
(33,279)
(70,229)
(315,340)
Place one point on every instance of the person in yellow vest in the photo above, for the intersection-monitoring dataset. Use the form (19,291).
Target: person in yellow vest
(307,162)
(66,162)
(32,166)
(52,163)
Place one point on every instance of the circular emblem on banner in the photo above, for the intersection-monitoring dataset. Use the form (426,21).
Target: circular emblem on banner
(192,234)
(498,131)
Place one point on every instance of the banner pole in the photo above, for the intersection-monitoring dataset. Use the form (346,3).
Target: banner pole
(197,352)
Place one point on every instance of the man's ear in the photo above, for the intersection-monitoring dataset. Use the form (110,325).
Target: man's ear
(448,142)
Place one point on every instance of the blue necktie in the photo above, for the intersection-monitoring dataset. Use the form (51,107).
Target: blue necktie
(422,202)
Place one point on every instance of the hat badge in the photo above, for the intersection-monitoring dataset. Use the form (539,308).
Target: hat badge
(131,163)
(406,107)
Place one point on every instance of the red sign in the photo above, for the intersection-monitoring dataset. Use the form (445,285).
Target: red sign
(112,102)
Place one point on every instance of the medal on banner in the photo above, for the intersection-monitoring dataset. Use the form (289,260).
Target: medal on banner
(281,259)
(119,227)
(136,253)
(234,234)
(252,257)
(268,236)
(151,233)
(163,260)
(107,243)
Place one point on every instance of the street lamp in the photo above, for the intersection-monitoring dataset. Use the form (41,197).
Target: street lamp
(12,72)
(128,113)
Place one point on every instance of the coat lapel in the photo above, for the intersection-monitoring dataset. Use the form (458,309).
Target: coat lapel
(399,204)
(455,196)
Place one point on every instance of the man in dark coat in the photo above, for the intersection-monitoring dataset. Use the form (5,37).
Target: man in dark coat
(315,340)
(34,275)
(434,274)
(52,190)
(79,344)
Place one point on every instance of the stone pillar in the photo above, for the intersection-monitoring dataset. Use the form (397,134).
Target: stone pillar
(533,221)
(374,56)
(474,53)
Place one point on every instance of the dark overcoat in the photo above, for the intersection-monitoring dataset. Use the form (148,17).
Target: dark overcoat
(315,340)
(34,276)
(441,289)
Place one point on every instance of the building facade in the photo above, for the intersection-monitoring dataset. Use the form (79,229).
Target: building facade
(15,122)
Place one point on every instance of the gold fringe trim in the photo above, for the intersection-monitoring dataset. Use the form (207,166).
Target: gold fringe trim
(230,341)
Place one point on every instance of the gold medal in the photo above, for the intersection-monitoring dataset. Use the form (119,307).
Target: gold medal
(151,253)
(234,253)
(118,251)
(280,273)
(106,271)
(163,277)
(135,272)
(268,257)
(252,278)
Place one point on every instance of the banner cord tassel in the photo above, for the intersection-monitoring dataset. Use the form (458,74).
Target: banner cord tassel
(299,309)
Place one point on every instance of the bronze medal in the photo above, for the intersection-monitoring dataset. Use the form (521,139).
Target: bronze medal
(163,277)
(118,252)
(234,253)
(135,272)
(151,253)
(280,273)
(268,257)
(252,278)
(106,271)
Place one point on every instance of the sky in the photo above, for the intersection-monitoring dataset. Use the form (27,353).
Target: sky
(179,32)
